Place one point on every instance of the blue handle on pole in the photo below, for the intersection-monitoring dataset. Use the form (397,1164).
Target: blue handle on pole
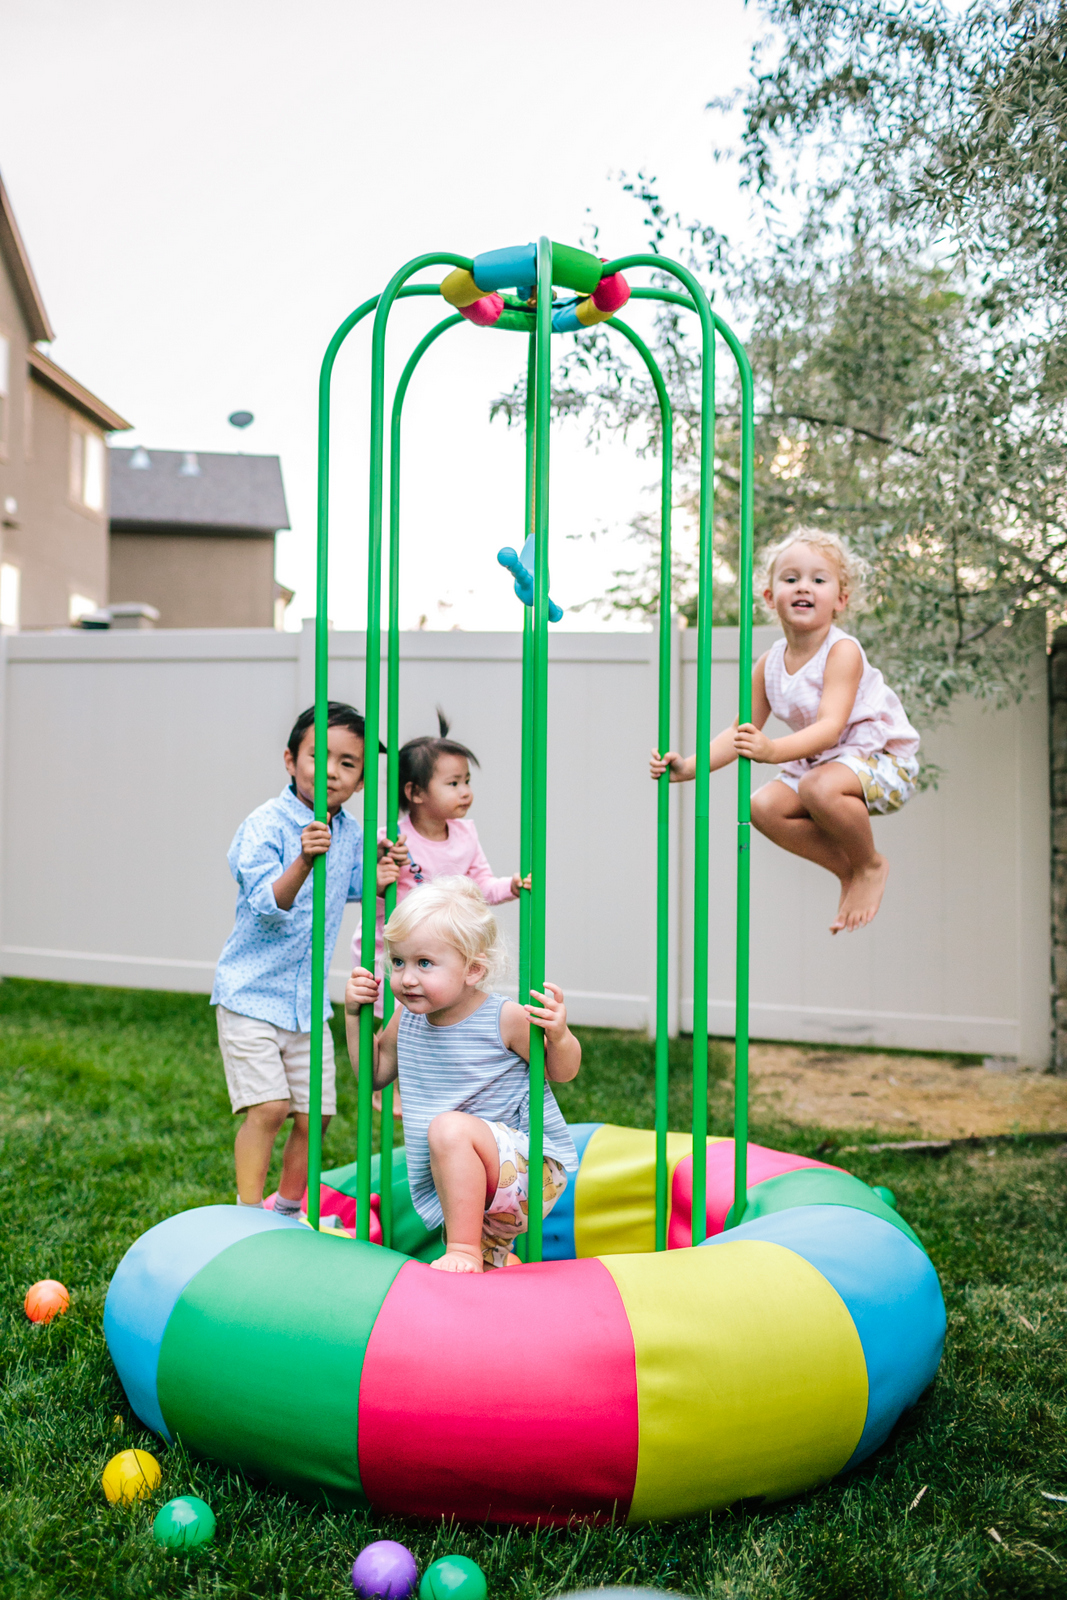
(521,569)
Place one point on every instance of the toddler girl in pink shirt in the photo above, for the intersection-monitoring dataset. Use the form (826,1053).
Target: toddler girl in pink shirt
(435,792)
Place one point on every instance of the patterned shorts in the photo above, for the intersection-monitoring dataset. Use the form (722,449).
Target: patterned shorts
(888,782)
(508,1213)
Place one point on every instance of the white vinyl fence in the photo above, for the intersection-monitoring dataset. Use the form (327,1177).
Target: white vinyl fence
(127,761)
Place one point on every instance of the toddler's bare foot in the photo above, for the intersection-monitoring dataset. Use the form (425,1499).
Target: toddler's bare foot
(839,921)
(460,1258)
(864,895)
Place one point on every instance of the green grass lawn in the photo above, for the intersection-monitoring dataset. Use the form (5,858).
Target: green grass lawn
(113,1116)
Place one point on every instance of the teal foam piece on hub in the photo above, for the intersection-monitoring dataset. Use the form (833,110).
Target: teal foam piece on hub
(565,319)
(505,269)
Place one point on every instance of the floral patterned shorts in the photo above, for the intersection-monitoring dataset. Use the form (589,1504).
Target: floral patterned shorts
(888,782)
(508,1213)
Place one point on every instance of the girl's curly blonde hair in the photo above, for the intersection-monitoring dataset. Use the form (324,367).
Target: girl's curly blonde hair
(852,570)
(457,912)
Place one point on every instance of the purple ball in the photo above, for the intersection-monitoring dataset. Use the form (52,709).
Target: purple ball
(384,1570)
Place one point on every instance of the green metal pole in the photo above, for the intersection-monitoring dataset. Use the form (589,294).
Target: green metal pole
(322,669)
(744,788)
(526,798)
(526,801)
(392,737)
(744,774)
(539,854)
(526,747)
(372,710)
(701,840)
(663,840)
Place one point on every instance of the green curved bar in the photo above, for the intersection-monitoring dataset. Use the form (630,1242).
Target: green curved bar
(322,645)
(744,781)
(663,843)
(322,671)
(392,736)
(372,701)
(702,830)
(744,766)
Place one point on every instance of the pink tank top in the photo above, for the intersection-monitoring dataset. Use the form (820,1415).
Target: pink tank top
(877,722)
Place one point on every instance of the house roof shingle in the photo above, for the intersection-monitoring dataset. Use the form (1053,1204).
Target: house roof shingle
(214,491)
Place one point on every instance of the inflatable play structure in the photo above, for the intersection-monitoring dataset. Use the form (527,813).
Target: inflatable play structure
(698,1320)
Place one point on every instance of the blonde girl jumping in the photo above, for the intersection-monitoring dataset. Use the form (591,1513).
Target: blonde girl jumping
(851,752)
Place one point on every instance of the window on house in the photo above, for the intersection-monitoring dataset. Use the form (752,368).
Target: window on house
(5,389)
(87,469)
(80,606)
(76,463)
(10,586)
(93,473)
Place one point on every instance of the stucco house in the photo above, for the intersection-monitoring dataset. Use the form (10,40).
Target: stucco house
(53,462)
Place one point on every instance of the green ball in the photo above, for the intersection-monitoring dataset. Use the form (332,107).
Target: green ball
(183,1523)
(885,1194)
(453,1578)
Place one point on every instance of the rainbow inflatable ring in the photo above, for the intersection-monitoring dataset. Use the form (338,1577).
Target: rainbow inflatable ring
(606,1381)
(476,294)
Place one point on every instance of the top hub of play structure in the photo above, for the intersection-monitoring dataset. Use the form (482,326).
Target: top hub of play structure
(477,295)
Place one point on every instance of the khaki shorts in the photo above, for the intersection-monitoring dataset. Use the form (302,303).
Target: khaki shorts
(264,1062)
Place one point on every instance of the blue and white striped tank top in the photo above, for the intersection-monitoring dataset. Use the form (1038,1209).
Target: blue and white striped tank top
(465,1067)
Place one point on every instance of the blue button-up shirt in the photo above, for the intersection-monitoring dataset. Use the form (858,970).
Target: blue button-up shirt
(264,970)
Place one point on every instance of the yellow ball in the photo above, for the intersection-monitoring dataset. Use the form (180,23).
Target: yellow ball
(131,1475)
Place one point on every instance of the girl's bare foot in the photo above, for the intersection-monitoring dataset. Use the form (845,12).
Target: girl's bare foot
(460,1258)
(839,921)
(864,896)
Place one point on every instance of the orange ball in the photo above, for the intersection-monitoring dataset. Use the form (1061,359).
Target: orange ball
(46,1300)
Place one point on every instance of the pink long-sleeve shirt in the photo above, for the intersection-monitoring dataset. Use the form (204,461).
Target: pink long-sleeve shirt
(460,854)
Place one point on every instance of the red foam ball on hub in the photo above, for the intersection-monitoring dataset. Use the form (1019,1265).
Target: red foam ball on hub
(611,294)
(484,312)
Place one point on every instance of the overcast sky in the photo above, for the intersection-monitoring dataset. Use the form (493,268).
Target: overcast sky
(207,188)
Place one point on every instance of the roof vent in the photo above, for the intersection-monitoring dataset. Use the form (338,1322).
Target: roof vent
(190,467)
(140,460)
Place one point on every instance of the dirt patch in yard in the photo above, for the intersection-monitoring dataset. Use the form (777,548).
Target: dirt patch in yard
(921,1096)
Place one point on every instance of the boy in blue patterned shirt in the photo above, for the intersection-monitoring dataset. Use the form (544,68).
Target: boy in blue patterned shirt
(263,980)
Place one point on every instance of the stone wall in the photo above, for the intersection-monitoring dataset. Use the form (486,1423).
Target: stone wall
(1057,709)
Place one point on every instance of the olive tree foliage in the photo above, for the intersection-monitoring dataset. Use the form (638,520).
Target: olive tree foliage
(903,311)
(922,117)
